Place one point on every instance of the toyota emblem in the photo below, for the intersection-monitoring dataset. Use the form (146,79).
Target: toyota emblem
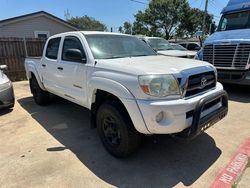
(203,82)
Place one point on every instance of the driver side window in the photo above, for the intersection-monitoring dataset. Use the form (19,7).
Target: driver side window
(72,42)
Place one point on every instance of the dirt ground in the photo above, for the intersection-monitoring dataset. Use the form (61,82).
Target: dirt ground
(54,146)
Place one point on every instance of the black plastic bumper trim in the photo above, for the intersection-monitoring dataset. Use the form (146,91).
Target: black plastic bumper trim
(200,124)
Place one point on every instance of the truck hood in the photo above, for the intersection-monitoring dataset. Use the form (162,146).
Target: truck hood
(151,65)
(233,36)
(174,53)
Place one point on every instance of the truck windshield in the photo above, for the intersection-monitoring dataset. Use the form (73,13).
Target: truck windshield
(239,20)
(117,46)
(159,44)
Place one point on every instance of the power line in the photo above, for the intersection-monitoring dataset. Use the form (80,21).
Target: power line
(192,2)
(136,1)
(201,4)
(211,3)
(218,2)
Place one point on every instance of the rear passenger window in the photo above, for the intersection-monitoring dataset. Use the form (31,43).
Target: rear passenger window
(52,48)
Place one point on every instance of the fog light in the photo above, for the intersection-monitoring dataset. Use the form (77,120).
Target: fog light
(159,117)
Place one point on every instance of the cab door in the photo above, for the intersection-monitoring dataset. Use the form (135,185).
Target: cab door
(49,64)
(72,73)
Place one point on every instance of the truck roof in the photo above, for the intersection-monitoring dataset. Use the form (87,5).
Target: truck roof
(146,37)
(236,6)
(88,33)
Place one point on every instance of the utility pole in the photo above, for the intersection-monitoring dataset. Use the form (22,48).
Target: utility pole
(204,20)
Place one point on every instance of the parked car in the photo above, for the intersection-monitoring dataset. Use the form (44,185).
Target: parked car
(190,54)
(193,46)
(228,49)
(163,47)
(7,99)
(129,89)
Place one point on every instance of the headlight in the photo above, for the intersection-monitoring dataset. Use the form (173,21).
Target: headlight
(159,85)
(5,86)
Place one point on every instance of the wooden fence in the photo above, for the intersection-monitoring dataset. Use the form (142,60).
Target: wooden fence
(13,52)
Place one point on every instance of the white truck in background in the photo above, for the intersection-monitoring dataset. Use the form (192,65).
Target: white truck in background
(129,89)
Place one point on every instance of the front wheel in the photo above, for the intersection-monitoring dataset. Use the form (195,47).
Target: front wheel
(41,97)
(116,129)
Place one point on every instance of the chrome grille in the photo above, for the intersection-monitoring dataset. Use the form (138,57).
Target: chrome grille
(195,85)
(234,56)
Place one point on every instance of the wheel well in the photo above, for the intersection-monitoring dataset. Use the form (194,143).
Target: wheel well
(32,75)
(100,97)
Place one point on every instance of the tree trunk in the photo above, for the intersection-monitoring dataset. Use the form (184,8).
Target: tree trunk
(166,35)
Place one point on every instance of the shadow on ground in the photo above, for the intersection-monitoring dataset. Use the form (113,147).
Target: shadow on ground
(5,111)
(160,162)
(238,93)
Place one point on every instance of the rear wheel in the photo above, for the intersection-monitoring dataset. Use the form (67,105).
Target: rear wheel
(116,129)
(41,97)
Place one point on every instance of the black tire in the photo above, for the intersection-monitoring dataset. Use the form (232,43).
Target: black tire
(116,129)
(40,96)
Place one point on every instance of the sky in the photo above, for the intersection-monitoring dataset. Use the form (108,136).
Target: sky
(113,13)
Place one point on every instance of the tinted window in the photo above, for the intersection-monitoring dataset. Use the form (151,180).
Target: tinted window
(239,20)
(117,46)
(71,43)
(192,46)
(52,48)
(184,45)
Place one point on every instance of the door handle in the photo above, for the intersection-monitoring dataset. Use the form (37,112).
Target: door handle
(43,65)
(59,68)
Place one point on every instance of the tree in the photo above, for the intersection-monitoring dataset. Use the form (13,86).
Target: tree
(144,26)
(168,18)
(161,17)
(127,27)
(87,23)
(193,23)
(120,29)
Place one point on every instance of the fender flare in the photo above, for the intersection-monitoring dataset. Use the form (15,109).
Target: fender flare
(32,70)
(123,94)
(109,86)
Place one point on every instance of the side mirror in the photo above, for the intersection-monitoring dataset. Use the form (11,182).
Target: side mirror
(212,28)
(3,67)
(74,55)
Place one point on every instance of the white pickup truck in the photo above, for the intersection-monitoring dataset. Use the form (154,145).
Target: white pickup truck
(129,89)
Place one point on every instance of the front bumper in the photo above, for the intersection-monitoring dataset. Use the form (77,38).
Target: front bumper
(7,99)
(234,77)
(182,114)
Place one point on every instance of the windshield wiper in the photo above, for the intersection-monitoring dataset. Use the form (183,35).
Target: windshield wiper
(138,55)
(162,49)
(113,57)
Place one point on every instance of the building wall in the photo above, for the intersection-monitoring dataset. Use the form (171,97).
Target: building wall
(26,28)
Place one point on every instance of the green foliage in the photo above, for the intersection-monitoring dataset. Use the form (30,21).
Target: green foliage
(193,22)
(169,18)
(127,27)
(87,23)
(120,29)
